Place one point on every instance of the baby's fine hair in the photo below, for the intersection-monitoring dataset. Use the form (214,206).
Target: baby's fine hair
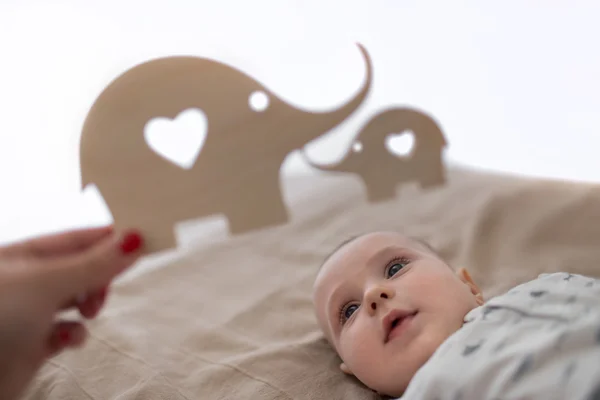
(354,237)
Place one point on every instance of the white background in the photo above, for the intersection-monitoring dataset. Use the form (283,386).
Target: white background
(515,85)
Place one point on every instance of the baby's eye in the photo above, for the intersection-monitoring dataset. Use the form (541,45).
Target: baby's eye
(395,268)
(348,311)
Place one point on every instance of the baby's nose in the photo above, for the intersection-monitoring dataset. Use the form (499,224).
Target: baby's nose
(381,295)
(377,295)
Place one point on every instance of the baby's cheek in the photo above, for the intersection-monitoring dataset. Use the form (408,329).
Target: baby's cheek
(420,296)
(425,278)
(356,346)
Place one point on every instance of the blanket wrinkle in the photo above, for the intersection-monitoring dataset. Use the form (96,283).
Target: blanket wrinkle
(311,341)
(71,376)
(124,353)
(157,372)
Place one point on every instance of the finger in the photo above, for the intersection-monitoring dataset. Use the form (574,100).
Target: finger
(93,304)
(65,334)
(93,268)
(58,244)
(89,305)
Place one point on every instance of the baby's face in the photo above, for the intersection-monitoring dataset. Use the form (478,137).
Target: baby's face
(386,303)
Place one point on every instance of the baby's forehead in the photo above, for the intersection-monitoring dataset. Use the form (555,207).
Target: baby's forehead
(361,248)
(370,243)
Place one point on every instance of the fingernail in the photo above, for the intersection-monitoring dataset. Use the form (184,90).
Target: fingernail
(103,292)
(64,335)
(131,242)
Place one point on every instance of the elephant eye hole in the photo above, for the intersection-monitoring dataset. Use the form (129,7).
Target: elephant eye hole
(258,101)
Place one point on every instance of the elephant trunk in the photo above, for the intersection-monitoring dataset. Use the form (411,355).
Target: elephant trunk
(319,123)
(343,165)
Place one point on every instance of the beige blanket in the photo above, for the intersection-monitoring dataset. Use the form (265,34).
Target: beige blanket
(231,318)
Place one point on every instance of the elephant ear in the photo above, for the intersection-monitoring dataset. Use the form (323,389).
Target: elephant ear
(382,167)
(232,149)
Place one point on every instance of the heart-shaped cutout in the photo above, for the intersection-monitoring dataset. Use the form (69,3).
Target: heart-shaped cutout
(400,144)
(178,140)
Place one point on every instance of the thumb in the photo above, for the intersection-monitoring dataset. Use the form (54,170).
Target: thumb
(94,267)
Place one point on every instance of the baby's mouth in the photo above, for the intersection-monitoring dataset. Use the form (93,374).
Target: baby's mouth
(395,323)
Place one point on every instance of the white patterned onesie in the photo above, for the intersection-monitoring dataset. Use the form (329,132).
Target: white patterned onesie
(540,340)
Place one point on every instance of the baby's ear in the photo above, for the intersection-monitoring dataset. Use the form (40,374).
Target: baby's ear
(464,276)
(345,369)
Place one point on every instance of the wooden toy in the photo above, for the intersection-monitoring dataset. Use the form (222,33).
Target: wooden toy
(234,166)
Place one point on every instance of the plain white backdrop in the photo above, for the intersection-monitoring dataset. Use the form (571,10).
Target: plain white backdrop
(515,85)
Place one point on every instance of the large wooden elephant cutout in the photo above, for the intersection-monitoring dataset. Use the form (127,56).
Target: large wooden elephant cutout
(237,170)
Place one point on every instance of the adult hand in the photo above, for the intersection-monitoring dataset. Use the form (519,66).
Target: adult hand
(41,277)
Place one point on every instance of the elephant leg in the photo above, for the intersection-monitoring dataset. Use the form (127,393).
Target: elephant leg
(382,183)
(431,172)
(380,187)
(158,235)
(157,229)
(162,238)
(380,191)
(431,182)
(258,205)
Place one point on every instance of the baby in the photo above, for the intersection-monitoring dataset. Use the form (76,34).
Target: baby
(388,303)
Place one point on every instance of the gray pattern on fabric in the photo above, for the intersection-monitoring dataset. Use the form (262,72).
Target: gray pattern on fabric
(540,340)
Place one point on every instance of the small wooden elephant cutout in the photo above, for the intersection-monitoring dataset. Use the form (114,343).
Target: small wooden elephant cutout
(382,171)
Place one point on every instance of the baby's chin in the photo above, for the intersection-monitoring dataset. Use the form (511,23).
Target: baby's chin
(392,378)
(393,385)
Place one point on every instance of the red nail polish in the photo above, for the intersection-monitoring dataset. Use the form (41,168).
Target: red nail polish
(103,292)
(64,335)
(131,242)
